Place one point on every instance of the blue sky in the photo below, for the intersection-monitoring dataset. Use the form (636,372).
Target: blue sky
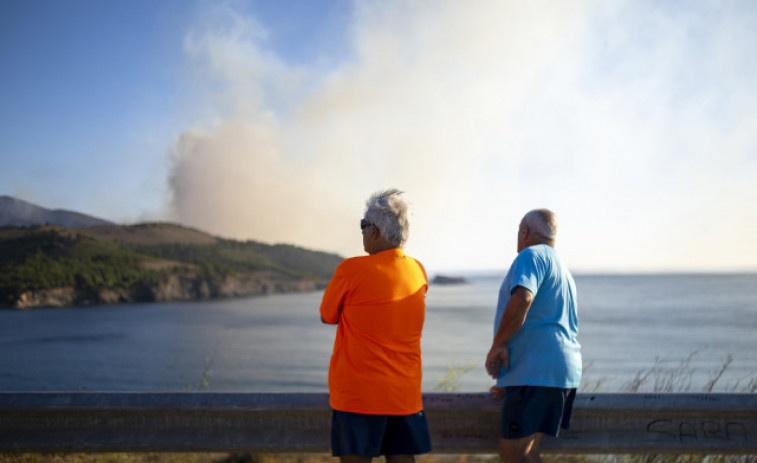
(95,92)
(83,86)
(635,121)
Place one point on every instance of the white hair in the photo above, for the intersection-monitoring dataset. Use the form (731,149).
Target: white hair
(542,222)
(389,212)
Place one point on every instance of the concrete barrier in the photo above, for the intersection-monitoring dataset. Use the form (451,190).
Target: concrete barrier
(287,423)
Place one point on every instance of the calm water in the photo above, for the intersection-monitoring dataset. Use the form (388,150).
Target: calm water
(277,343)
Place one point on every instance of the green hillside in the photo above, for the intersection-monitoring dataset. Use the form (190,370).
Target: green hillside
(137,258)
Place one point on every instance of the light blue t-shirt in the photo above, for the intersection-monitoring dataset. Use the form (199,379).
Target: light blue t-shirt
(545,350)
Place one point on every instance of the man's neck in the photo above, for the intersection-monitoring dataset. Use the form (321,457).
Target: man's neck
(551,244)
(381,247)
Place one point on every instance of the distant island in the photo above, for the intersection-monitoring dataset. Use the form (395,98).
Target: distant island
(56,266)
(448,280)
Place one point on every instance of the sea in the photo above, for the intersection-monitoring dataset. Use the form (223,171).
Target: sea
(675,332)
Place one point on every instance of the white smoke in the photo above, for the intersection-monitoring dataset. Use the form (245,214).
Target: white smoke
(481,111)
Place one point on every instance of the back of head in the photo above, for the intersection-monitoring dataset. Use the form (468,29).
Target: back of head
(389,212)
(543,223)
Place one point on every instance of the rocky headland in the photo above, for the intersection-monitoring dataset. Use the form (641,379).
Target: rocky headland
(171,288)
(54,266)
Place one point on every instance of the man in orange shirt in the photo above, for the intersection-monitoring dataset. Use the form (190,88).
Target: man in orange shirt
(378,303)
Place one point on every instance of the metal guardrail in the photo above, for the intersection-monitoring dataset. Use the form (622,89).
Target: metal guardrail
(289,423)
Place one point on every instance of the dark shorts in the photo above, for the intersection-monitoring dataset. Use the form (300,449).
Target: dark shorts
(531,409)
(374,435)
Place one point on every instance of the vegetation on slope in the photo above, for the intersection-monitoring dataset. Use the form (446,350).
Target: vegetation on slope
(228,257)
(50,259)
(39,258)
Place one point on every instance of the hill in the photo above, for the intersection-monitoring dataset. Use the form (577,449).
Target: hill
(44,266)
(19,213)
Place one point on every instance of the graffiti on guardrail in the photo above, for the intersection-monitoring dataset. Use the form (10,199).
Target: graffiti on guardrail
(702,430)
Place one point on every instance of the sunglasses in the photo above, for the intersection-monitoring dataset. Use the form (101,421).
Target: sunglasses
(364,224)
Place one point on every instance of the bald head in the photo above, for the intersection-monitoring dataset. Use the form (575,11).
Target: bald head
(537,227)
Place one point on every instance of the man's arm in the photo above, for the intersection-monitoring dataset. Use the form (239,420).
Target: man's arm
(512,320)
(333,298)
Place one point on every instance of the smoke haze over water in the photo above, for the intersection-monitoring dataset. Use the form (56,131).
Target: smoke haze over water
(636,123)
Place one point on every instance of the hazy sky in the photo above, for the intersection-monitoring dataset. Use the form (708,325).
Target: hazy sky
(635,121)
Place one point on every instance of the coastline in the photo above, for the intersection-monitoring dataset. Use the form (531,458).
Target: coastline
(172,288)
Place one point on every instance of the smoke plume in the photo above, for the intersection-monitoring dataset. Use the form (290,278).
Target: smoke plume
(480,111)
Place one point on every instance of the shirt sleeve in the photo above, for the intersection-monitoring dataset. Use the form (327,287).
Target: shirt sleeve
(333,297)
(527,272)
(423,269)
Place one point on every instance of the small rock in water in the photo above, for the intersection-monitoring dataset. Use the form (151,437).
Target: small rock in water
(447,280)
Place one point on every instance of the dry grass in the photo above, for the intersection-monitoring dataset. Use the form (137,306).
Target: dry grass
(115,458)
(145,234)
(245,458)
(326,458)
(148,234)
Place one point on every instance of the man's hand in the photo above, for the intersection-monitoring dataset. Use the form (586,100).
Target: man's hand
(512,320)
(496,392)
(497,356)
(327,323)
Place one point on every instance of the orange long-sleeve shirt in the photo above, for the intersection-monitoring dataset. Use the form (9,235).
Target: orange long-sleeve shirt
(379,304)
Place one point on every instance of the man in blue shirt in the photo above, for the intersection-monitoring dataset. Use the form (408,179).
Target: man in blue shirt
(535,356)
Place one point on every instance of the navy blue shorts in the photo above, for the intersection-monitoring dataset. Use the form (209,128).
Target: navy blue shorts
(375,435)
(531,409)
